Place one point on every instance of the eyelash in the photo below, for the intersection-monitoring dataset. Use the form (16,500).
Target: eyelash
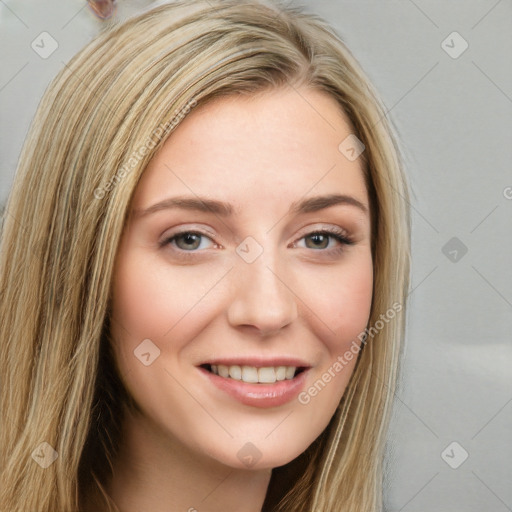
(335,233)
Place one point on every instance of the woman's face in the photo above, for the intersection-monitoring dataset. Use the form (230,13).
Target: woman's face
(248,254)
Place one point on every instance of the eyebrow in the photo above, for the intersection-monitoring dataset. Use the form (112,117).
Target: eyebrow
(203,204)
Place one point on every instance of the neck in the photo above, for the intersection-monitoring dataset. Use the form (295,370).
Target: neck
(153,472)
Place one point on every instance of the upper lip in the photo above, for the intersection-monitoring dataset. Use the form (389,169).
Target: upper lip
(258,362)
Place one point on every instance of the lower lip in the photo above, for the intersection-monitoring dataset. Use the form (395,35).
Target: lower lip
(259,395)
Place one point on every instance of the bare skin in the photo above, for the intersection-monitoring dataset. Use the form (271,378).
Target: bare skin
(306,295)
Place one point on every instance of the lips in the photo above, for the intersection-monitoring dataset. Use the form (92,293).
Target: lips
(255,381)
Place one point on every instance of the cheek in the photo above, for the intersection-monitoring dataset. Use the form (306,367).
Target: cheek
(167,306)
(342,301)
(150,300)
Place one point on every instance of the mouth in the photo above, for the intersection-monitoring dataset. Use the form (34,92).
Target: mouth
(256,382)
(255,374)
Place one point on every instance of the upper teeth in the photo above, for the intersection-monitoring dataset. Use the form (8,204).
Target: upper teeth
(265,375)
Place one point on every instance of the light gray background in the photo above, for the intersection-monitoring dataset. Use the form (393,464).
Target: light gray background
(454,119)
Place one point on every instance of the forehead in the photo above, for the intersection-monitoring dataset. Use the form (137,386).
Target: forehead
(272,147)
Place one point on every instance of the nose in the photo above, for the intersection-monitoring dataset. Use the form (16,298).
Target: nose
(262,298)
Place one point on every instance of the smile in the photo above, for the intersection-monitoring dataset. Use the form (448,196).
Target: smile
(253,374)
(263,386)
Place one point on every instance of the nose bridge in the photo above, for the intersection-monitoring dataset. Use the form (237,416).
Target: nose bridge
(262,296)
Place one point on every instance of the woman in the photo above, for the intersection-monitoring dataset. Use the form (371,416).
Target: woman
(203,272)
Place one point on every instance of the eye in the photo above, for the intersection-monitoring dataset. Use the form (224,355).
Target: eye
(321,239)
(187,240)
(192,241)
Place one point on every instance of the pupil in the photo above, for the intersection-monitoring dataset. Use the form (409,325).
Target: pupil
(318,239)
(190,239)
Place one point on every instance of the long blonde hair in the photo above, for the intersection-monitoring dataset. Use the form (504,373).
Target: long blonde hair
(126,90)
